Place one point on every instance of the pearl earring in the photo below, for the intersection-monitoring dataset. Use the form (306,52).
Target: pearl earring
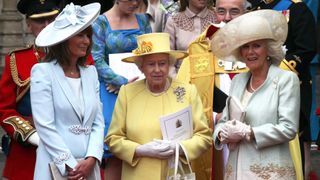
(268,58)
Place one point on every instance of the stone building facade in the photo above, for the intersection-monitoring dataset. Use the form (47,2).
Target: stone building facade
(13,30)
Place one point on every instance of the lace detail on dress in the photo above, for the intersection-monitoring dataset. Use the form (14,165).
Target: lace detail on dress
(183,21)
(186,23)
(78,129)
(205,22)
(61,158)
(272,170)
(228,171)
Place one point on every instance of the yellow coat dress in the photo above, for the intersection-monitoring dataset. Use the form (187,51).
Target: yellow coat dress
(135,121)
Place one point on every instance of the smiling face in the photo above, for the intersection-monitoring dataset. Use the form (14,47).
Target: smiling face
(79,44)
(255,54)
(155,67)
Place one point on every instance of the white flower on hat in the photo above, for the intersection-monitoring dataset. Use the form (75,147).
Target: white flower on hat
(71,15)
(284,49)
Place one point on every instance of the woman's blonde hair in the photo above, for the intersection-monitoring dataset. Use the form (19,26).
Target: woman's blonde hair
(274,49)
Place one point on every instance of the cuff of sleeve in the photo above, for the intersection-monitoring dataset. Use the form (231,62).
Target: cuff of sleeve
(21,126)
(72,162)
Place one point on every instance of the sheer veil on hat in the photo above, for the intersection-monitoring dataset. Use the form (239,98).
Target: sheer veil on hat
(72,20)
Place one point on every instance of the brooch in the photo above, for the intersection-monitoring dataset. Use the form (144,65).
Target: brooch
(180,92)
(275,82)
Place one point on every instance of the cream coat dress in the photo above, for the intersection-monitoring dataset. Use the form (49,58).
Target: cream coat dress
(135,121)
(273,113)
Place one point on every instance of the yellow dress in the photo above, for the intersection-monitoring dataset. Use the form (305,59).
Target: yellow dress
(136,121)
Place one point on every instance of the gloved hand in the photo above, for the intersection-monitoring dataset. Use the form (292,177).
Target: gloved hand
(34,139)
(154,149)
(234,131)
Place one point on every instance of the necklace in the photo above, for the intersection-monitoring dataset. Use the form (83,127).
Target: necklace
(160,93)
(251,85)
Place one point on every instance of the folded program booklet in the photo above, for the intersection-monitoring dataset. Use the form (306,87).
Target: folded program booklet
(236,110)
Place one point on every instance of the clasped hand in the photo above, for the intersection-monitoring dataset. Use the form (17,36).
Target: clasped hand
(82,169)
(160,149)
(234,131)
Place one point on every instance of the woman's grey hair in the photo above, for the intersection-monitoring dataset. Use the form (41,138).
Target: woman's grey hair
(274,49)
(139,61)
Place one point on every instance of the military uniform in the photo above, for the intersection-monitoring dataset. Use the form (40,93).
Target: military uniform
(15,107)
(15,112)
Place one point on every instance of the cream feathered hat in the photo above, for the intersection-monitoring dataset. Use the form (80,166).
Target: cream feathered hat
(72,20)
(256,25)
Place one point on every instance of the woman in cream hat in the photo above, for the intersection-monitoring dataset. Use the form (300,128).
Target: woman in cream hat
(135,121)
(65,99)
(259,144)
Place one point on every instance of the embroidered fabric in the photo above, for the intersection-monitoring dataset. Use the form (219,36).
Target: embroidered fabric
(61,158)
(186,23)
(78,129)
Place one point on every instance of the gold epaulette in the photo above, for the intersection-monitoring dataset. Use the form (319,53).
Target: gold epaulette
(14,70)
(21,126)
(289,65)
(21,49)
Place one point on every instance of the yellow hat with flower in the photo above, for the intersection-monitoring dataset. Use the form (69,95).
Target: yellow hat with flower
(154,43)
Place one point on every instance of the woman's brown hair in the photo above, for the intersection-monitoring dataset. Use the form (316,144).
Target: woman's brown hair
(61,52)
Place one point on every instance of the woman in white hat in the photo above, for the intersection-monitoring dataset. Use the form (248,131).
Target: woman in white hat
(65,98)
(135,123)
(269,96)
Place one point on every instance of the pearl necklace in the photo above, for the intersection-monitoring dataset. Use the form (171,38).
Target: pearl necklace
(167,85)
(251,84)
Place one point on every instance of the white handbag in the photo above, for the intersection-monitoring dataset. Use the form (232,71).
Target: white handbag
(179,170)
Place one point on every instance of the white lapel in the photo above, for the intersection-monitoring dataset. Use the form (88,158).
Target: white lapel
(62,80)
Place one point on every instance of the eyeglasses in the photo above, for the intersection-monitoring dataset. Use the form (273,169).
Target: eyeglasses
(232,11)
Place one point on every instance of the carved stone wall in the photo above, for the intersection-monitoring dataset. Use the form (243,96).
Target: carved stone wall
(13,30)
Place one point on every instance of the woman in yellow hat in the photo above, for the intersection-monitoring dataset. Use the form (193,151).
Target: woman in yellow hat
(135,123)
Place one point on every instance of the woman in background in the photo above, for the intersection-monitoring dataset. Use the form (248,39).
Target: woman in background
(115,31)
(184,27)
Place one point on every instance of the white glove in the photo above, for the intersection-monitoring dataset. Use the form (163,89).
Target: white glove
(171,144)
(234,131)
(34,139)
(154,149)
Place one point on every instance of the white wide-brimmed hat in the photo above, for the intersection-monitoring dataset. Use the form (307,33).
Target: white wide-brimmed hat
(154,43)
(72,20)
(252,26)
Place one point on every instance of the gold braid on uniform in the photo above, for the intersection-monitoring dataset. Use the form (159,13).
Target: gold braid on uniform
(14,72)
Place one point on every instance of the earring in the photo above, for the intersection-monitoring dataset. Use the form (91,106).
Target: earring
(268,58)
